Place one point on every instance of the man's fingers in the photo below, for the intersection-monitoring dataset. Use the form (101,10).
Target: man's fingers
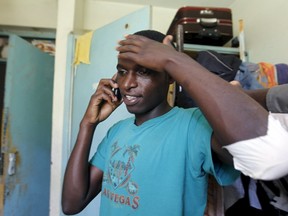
(135,37)
(127,55)
(114,77)
(134,40)
(128,48)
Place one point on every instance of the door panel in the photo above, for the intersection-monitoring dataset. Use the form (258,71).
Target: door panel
(103,58)
(26,129)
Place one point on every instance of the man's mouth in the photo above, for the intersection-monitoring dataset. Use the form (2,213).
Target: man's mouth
(130,100)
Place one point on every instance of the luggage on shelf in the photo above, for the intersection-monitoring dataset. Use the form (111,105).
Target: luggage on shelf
(203,25)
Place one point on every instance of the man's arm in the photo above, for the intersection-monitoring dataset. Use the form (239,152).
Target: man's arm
(82,181)
(233,115)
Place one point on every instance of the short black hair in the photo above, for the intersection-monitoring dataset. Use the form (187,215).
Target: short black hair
(152,34)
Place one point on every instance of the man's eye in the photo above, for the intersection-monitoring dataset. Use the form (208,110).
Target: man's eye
(122,71)
(143,71)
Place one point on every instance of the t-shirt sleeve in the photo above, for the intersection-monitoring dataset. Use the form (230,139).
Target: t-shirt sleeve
(201,151)
(277,99)
(98,158)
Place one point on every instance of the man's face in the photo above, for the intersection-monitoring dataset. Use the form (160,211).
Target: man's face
(143,91)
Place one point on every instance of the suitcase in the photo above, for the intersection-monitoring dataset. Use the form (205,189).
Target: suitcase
(203,25)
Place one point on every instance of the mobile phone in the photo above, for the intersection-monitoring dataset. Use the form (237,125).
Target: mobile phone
(117,93)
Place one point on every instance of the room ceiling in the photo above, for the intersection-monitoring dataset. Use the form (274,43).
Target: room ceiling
(177,3)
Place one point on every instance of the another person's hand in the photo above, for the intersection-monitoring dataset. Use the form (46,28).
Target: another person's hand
(236,83)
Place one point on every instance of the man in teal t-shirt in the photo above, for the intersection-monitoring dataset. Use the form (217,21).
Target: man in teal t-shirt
(157,163)
(163,174)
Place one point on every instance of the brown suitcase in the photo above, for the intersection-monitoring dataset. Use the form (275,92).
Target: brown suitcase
(203,25)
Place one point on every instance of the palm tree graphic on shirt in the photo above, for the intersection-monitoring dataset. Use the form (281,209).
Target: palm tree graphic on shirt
(122,164)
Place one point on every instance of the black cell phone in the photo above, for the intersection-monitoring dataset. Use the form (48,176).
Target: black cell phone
(116,92)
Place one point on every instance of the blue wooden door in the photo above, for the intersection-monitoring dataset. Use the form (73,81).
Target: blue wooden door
(103,58)
(26,129)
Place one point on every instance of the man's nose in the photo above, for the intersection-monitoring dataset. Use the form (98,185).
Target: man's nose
(130,80)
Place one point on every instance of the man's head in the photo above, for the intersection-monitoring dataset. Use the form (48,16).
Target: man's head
(143,90)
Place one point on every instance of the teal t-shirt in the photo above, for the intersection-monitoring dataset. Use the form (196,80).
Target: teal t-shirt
(159,168)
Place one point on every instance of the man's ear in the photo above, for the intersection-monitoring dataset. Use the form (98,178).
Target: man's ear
(114,77)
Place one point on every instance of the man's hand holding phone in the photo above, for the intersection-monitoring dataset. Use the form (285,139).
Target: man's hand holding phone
(103,102)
